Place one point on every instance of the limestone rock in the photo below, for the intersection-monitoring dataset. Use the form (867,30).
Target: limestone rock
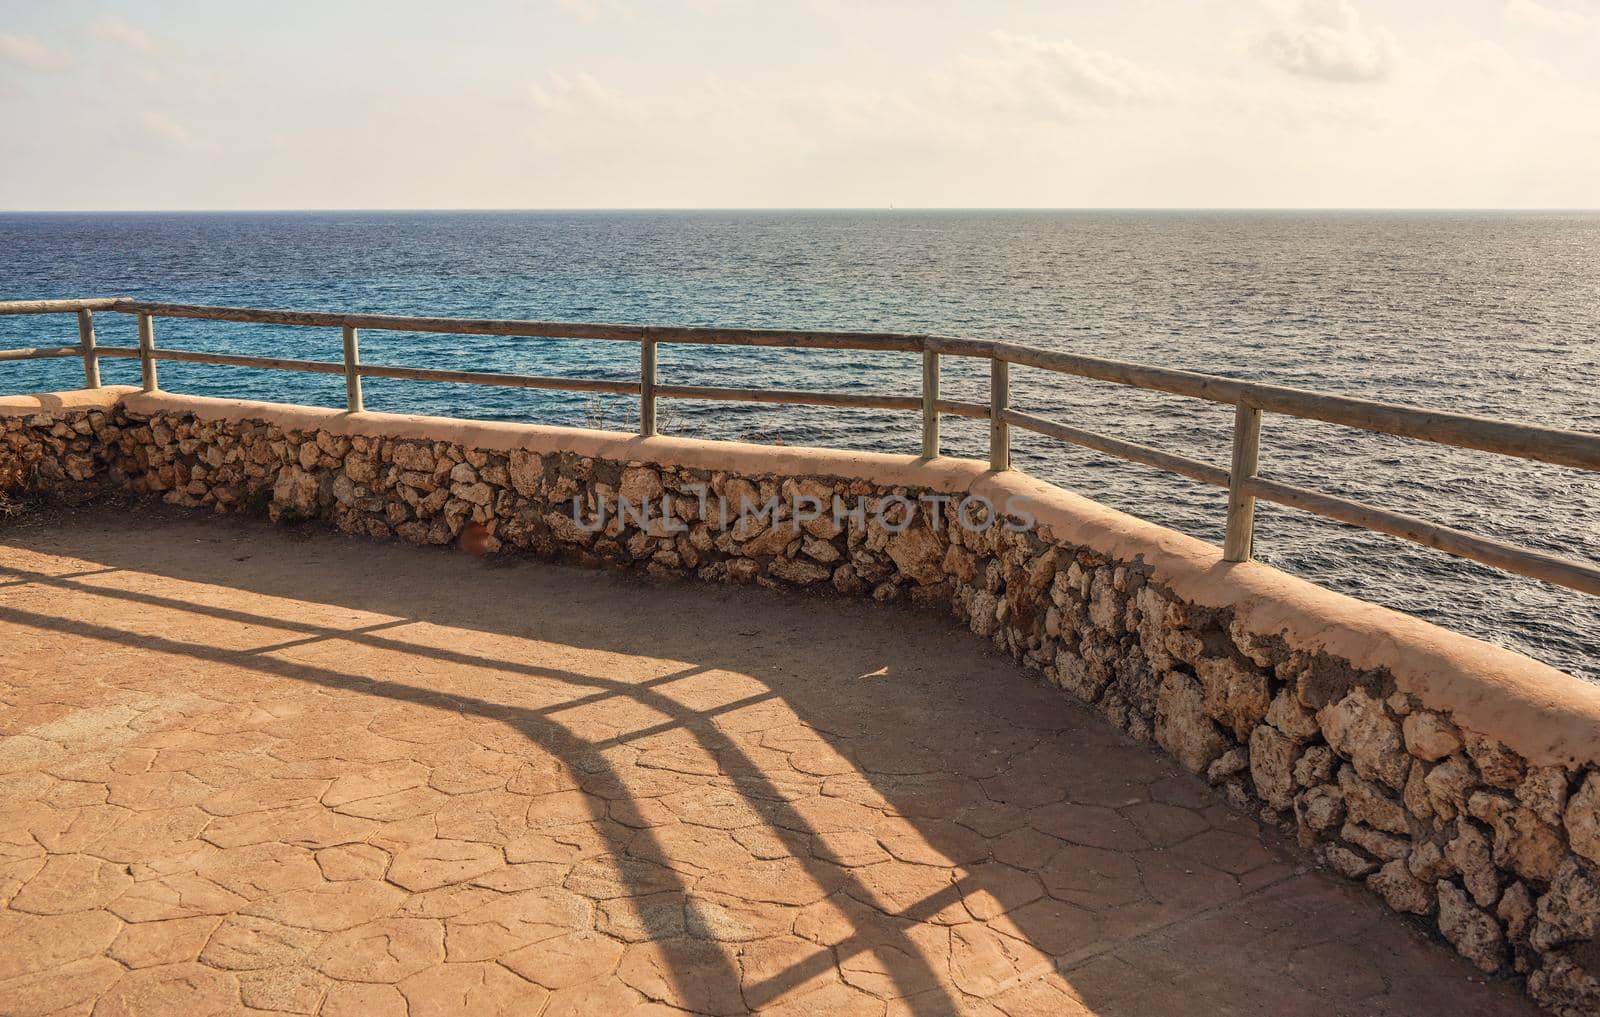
(847,582)
(527,470)
(414,456)
(1448,784)
(1570,911)
(1400,889)
(1523,842)
(1315,766)
(1564,988)
(798,572)
(1429,736)
(1515,911)
(1582,818)
(919,554)
(1370,805)
(985,618)
(1349,864)
(296,489)
(1416,798)
(1272,756)
(1427,862)
(1182,727)
(1544,792)
(1287,715)
(1469,852)
(1317,811)
(960,563)
(360,468)
(1498,764)
(1228,765)
(1105,607)
(1474,934)
(641,486)
(1359,728)
(1074,674)
(1383,846)
(1235,696)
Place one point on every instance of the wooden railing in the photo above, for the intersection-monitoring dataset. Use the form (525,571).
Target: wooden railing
(1242,480)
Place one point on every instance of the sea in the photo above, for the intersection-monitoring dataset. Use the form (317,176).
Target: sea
(1490,313)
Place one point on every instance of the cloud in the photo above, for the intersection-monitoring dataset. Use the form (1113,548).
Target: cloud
(27,51)
(112,29)
(164,130)
(1048,79)
(1558,17)
(1325,39)
(580,92)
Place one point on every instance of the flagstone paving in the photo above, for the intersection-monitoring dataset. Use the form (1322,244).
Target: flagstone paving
(254,770)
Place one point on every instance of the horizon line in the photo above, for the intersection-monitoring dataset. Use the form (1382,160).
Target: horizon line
(810,208)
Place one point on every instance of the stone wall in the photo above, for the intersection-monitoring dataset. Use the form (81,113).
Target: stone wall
(1457,781)
(57,447)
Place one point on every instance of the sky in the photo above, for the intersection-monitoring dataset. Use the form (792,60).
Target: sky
(182,104)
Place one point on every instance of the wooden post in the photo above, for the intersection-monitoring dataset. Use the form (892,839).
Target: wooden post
(999,402)
(91,362)
(930,404)
(147,353)
(1242,505)
(647,387)
(352,375)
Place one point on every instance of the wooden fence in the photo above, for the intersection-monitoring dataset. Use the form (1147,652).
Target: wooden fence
(1242,480)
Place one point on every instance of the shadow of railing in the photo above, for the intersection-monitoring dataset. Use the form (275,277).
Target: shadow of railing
(975,751)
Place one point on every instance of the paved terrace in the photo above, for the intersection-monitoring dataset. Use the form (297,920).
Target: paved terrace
(295,772)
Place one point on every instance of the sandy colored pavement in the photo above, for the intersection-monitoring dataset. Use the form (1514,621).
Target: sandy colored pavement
(295,772)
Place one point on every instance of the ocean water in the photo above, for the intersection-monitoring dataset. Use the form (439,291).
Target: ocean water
(1478,312)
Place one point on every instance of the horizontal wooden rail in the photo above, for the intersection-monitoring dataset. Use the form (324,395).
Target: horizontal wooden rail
(1579,449)
(237,360)
(1171,462)
(379,371)
(771,395)
(1535,564)
(59,306)
(958,408)
(798,339)
(1576,449)
(503,380)
(41,353)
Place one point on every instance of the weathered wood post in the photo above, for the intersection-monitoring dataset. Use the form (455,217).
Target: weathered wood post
(147,353)
(91,361)
(647,387)
(930,404)
(1241,505)
(999,402)
(352,370)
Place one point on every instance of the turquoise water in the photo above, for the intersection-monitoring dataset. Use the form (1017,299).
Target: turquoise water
(1489,313)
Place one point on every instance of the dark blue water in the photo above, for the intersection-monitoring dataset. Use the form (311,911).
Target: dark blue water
(1489,313)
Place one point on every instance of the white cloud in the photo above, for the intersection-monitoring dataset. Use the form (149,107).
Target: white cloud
(580,92)
(112,29)
(164,129)
(1048,79)
(1573,16)
(27,51)
(1325,39)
